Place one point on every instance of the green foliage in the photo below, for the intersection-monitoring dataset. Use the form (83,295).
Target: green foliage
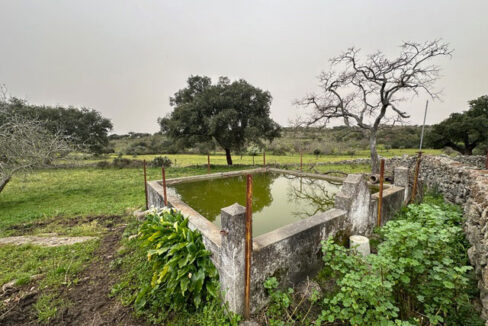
(229,113)
(83,127)
(463,131)
(362,295)
(286,308)
(419,275)
(136,277)
(183,275)
(161,161)
(59,267)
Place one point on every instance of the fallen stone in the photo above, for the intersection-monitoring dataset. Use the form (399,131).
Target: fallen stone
(308,288)
(43,241)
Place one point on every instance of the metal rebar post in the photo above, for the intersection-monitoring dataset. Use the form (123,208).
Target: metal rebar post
(145,184)
(380,198)
(248,249)
(163,172)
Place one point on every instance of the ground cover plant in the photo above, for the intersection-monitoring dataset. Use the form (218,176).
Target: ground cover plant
(419,276)
(168,275)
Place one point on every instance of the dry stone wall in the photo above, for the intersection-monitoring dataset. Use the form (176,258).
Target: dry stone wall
(465,185)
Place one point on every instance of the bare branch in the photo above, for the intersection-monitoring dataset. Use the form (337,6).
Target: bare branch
(367,92)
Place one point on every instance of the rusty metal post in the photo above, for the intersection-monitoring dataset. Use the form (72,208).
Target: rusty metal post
(416,177)
(264,158)
(486,162)
(380,198)
(208,163)
(248,249)
(301,161)
(163,173)
(253,160)
(145,184)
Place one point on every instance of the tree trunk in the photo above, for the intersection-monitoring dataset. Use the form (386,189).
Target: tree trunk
(228,157)
(3,183)
(374,154)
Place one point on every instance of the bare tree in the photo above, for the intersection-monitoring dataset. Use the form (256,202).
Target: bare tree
(25,145)
(366,92)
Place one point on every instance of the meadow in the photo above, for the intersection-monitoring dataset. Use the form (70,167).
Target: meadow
(218,158)
(90,201)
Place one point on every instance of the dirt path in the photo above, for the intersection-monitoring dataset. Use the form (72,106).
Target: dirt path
(90,304)
(46,241)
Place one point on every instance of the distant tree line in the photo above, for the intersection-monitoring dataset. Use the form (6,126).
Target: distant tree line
(83,128)
(465,131)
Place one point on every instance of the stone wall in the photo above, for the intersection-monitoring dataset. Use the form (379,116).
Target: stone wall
(465,185)
(478,161)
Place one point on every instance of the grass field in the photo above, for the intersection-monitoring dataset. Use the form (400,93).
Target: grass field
(49,201)
(56,200)
(183,160)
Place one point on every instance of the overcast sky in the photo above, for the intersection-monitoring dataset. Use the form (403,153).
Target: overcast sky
(126,58)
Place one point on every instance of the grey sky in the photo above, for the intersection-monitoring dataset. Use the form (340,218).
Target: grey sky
(126,58)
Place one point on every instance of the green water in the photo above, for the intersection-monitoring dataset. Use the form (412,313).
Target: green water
(278,199)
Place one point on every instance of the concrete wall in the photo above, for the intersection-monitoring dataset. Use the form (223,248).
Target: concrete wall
(290,253)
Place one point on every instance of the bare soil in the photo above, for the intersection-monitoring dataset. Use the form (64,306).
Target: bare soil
(104,220)
(88,302)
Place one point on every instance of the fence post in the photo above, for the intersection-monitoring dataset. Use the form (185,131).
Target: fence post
(301,161)
(380,198)
(208,163)
(416,178)
(164,186)
(145,184)
(248,248)
(264,158)
(486,162)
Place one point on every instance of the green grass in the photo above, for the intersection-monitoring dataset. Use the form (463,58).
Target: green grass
(218,158)
(60,194)
(77,192)
(58,266)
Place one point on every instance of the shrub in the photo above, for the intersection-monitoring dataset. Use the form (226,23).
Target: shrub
(420,273)
(296,307)
(120,163)
(161,161)
(103,164)
(183,275)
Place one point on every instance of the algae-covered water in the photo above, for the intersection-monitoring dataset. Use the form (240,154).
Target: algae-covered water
(278,199)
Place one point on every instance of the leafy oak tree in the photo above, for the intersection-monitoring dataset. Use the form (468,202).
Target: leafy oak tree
(366,92)
(230,113)
(464,131)
(83,128)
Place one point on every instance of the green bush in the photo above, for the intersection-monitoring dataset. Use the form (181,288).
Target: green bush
(297,308)
(121,163)
(420,274)
(161,161)
(183,275)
